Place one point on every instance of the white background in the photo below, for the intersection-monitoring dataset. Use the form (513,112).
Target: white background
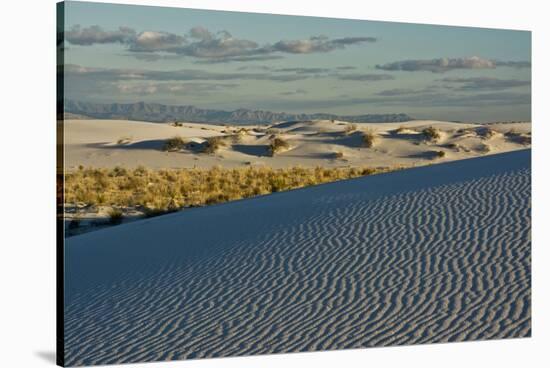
(27,181)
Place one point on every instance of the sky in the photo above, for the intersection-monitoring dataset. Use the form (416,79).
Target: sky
(231,60)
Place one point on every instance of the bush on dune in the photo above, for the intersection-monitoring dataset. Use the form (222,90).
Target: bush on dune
(486,132)
(368,138)
(435,154)
(401,129)
(516,137)
(213,144)
(431,133)
(174,144)
(350,128)
(124,140)
(277,145)
(115,216)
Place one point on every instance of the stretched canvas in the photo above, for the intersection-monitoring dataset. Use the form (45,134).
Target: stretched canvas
(236,184)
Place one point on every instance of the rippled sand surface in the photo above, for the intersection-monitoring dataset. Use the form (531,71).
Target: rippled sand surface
(433,254)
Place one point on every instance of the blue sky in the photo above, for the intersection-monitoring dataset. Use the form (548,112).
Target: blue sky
(229,60)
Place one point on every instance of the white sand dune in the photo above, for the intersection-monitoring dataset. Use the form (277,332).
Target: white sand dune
(109,143)
(432,254)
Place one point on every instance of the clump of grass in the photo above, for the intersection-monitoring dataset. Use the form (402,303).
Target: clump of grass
(159,191)
(512,132)
(484,148)
(520,138)
(524,139)
(242,131)
(177,124)
(434,154)
(154,212)
(486,132)
(174,144)
(115,216)
(338,154)
(277,145)
(123,140)
(350,128)
(401,129)
(119,171)
(213,144)
(238,135)
(368,139)
(431,133)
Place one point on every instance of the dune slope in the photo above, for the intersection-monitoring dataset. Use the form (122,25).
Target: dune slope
(433,254)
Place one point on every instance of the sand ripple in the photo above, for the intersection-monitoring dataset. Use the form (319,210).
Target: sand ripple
(340,266)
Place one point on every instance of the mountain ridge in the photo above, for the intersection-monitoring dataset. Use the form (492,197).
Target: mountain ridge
(159,113)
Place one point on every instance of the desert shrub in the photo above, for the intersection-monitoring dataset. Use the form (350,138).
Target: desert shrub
(115,216)
(484,148)
(140,171)
(243,131)
(159,191)
(277,144)
(124,140)
(338,154)
(278,183)
(174,144)
(235,138)
(350,128)
(368,139)
(401,129)
(213,144)
(516,137)
(434,154)
(177,124)
(118,171)
(485,132)
(430,133)
(149,212)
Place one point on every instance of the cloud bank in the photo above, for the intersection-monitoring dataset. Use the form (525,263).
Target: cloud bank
(202,43)
(96,35)
(443,65)
(484,83)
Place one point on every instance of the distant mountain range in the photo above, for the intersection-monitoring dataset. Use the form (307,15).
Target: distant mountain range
(155,112)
